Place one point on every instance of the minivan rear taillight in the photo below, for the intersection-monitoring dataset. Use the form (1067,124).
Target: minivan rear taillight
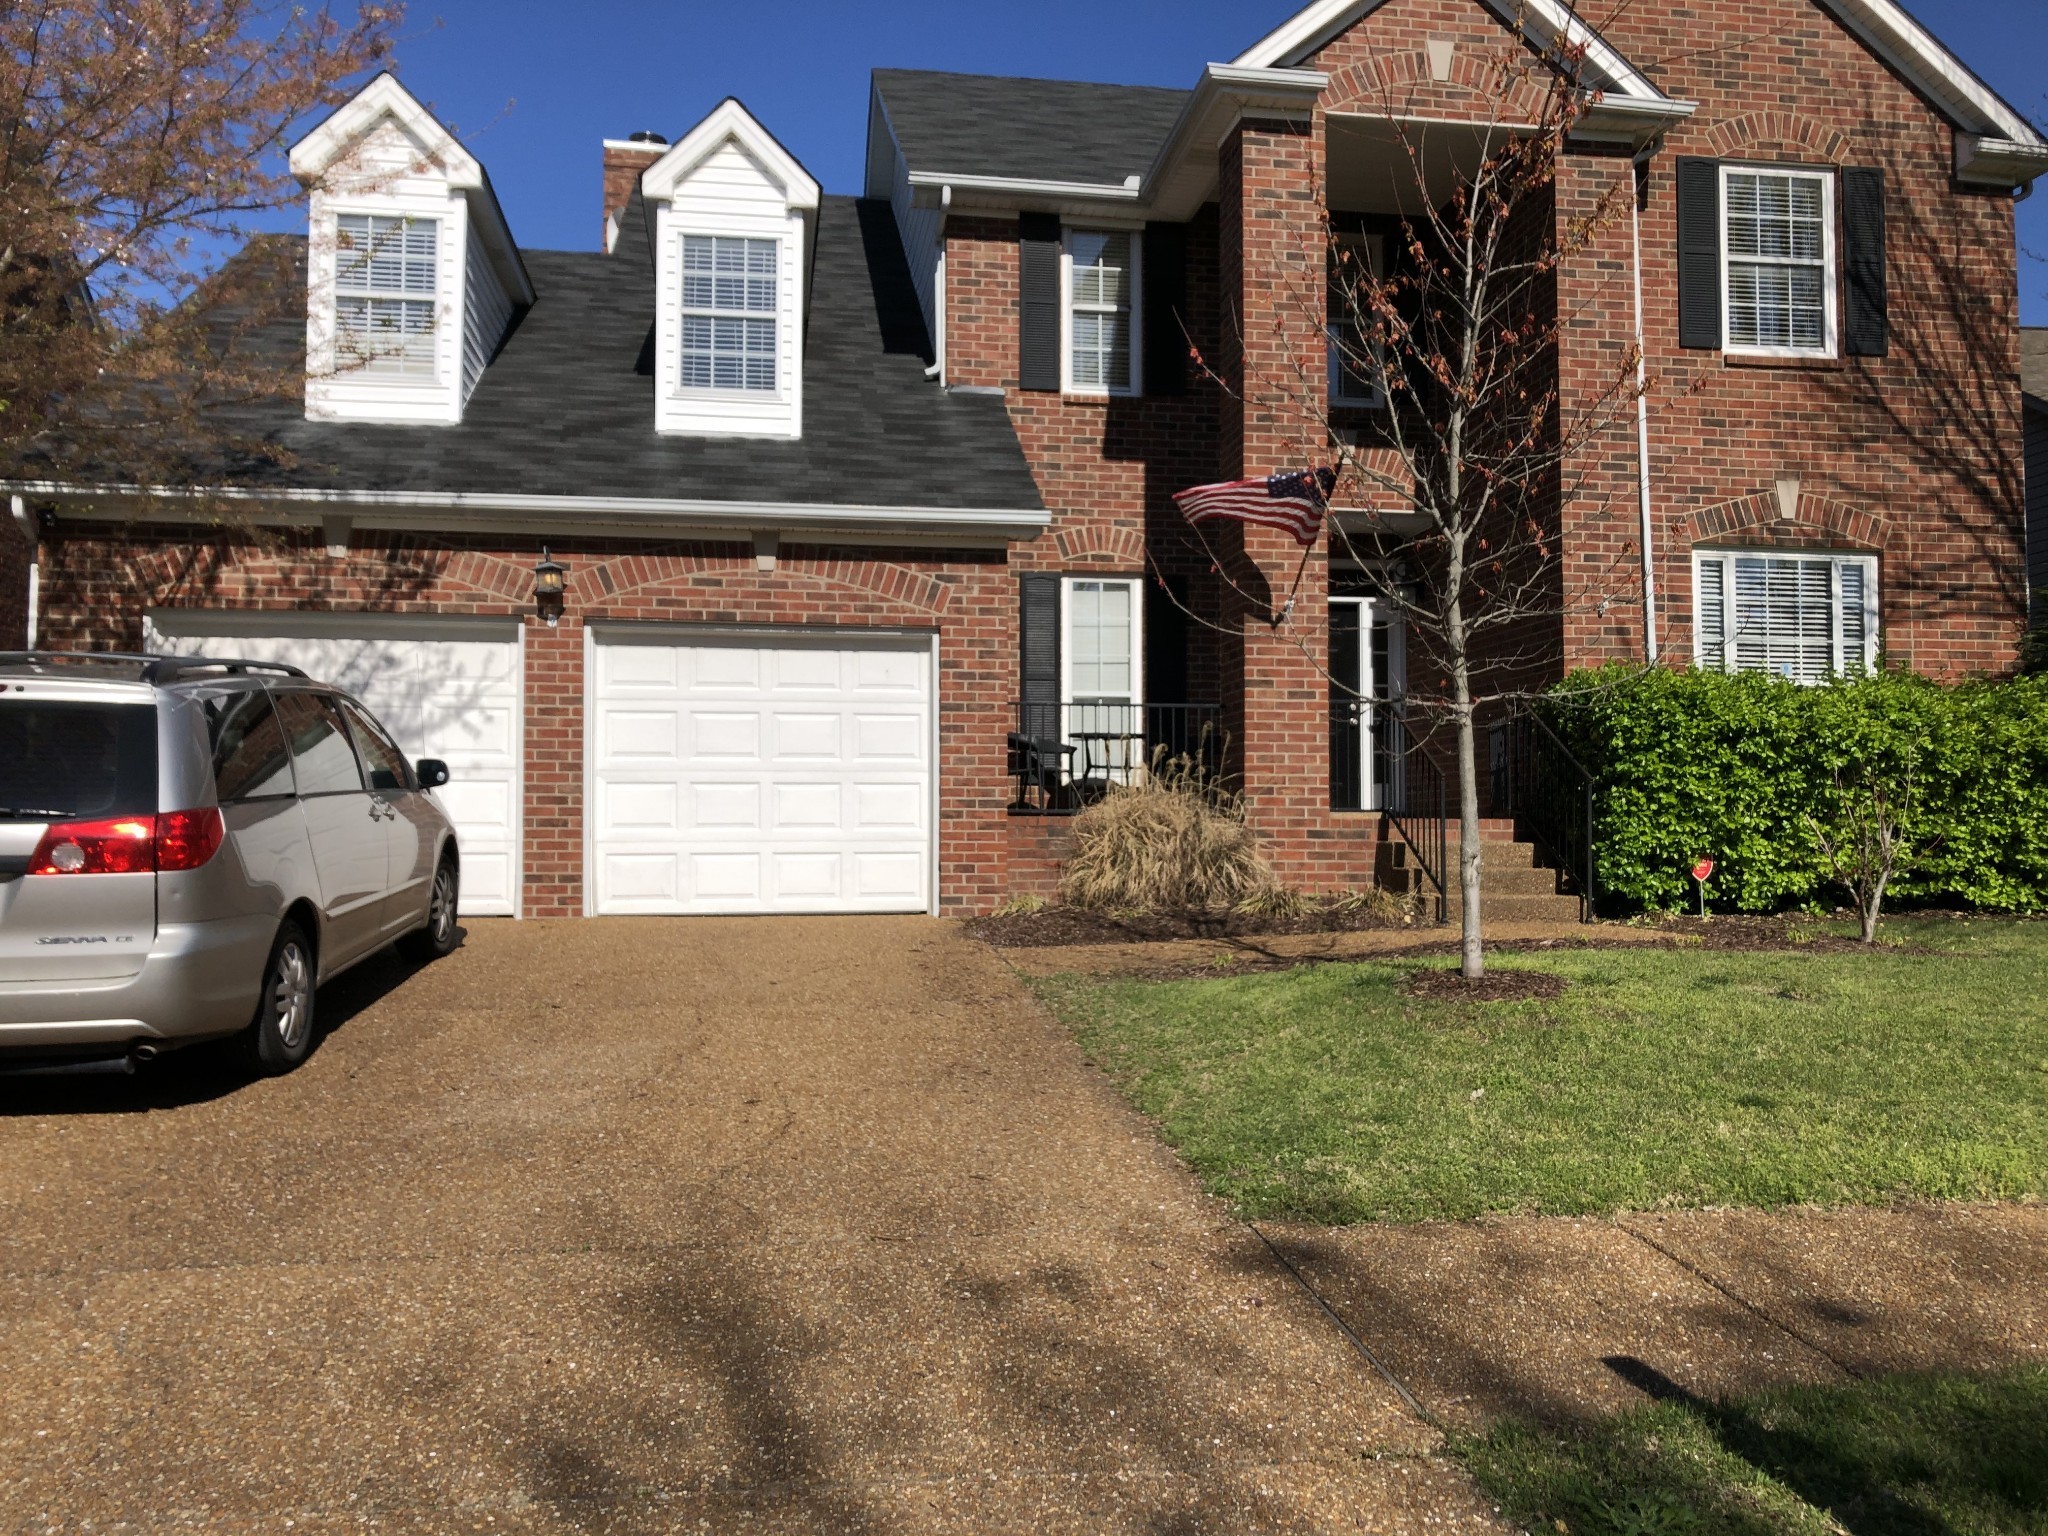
(129,845)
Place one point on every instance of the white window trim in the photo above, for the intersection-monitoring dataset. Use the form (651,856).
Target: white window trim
(1837,560)
(782,391)
(1374,246)
(1136,703)
(1093,391)
(1830,276)
(333,365)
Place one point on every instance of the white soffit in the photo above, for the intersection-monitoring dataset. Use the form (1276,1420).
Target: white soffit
(729,121)
(1915,53)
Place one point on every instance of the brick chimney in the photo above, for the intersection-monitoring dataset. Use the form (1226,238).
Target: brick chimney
(624,160)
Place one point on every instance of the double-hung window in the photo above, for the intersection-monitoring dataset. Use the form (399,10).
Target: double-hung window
(1102,286)
(385,272)
(1355,261)
(731,291)
(1807,617)
(1778,261)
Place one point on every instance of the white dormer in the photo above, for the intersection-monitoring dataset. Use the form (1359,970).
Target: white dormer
(733,220)
(412,277)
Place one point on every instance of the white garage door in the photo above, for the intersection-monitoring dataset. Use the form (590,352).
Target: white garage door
(446,688)
(751,773)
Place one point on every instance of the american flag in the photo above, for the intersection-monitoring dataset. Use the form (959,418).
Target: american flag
(1292,501)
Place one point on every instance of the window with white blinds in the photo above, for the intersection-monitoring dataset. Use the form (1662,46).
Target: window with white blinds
(730,294)
(1101,302)
(1778,229)
(385,276)
(1803,617)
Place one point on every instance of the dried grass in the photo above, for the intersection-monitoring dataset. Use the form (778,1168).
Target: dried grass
(1018,906)
(1375,901)
(1174,839)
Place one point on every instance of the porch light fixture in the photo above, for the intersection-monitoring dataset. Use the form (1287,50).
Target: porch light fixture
(550,588)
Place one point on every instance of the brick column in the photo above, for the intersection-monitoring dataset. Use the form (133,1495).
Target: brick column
(1273,354)
(553,875)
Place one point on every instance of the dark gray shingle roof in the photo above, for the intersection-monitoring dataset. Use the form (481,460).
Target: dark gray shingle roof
(1041,130)
(2034,361)
(567,407)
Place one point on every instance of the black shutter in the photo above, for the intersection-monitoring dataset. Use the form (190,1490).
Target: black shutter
(1038,650)
(1038,301)
(1165,282)
(1866,330)
(1699,254)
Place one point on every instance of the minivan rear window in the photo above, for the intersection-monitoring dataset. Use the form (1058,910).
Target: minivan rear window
(62,761)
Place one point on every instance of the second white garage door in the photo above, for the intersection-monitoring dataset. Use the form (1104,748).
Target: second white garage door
(750,773)
(444,687)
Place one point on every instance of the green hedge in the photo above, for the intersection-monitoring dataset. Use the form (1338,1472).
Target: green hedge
(1701,763)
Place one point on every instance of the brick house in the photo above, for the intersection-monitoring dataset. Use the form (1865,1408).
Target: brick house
(864,501)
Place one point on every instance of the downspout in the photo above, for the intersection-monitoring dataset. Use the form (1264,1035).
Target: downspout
(33,534)
(1637,174)
(937,371)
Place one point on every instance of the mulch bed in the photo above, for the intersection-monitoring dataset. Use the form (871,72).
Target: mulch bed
(1057,927)
(1439,985)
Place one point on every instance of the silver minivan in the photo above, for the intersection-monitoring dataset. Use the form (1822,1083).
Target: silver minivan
(190,847)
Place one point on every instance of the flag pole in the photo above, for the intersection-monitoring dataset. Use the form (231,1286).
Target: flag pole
(1300,571)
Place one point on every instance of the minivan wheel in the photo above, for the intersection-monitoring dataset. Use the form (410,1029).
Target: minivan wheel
(439,936)
(281,1035)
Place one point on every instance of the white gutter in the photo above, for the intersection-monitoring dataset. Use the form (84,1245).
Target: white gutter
(934,189)
(34,536)
(510,511)
(1989,162)
(1635,222)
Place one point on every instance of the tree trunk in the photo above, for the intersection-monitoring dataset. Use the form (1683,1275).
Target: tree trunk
(1472,952)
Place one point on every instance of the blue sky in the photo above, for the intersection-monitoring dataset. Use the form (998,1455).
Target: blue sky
(533,87)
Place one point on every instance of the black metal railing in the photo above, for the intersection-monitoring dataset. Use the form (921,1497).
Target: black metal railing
(1065,756)
(1416,804)
(1546,789)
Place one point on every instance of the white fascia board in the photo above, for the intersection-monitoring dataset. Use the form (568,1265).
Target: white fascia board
(508,511)
(730,120)
(383,97)
(929,190)
(1545,21)
(1623,120)
(1915,53)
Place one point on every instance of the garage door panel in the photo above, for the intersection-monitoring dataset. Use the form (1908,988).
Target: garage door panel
(802,771)
(809,807)
(801,737)
(641,882)
(643,807)
(439,695)
(638,733)
(725,807)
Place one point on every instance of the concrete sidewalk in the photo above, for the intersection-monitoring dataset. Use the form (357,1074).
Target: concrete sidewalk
(650,1225)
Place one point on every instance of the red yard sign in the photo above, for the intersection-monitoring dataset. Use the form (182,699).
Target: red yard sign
(1701,870)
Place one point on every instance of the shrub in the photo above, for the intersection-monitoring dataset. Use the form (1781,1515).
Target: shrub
(1744,769)
(1172,840)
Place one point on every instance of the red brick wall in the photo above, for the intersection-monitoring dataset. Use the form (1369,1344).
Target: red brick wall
(1915,455)
(99,584)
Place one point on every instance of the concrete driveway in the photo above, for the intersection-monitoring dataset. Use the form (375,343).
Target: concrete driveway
(651,1225)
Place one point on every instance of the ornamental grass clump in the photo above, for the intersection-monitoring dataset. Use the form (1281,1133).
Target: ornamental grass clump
(1172,839)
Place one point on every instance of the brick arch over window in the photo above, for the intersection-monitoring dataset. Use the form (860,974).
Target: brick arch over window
(1776,135)
(1100,546)
(1759,519)
(1405,79)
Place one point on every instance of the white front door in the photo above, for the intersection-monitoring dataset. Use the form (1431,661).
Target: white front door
(1368,675)
(443,687)
(759,773)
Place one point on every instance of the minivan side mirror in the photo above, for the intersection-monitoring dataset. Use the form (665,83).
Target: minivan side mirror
(432,772)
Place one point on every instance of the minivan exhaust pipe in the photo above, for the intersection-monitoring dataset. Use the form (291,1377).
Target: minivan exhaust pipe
(144,1051)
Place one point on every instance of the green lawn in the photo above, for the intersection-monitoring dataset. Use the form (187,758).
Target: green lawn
(1660,1078)
(1903,1456)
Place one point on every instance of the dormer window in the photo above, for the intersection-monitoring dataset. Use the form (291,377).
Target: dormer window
(385,279)
(731,294)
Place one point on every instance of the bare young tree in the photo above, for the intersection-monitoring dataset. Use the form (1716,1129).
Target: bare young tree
(141,141)
(1480,445)
(1872,836)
